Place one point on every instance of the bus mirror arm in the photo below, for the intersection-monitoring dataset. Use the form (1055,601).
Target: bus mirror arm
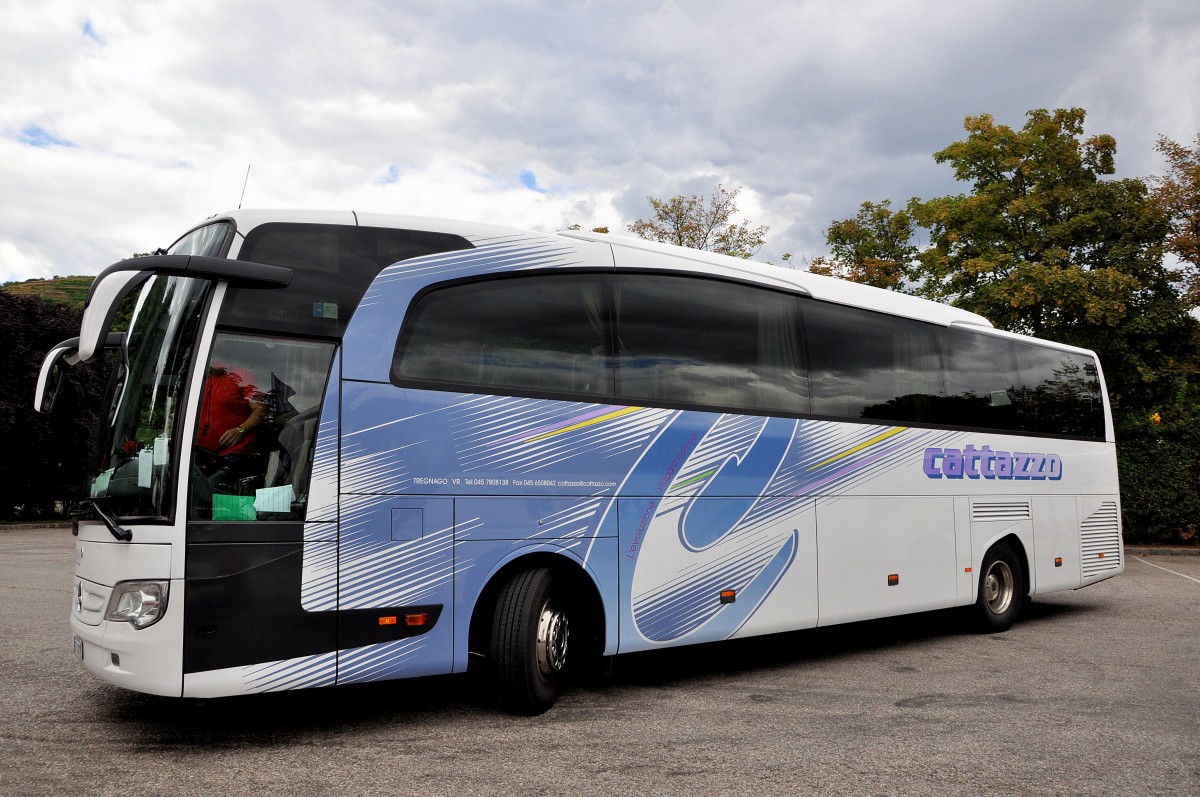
(236,272)
(122,534)
(54,368)
(120,279)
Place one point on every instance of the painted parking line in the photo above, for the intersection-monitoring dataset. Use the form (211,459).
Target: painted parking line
(1169,570)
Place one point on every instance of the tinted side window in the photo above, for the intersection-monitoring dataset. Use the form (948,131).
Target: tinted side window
(1015,386)
(981,381)
(539,334)
(868,365)
(1059,393)
(689,341)
(334,266)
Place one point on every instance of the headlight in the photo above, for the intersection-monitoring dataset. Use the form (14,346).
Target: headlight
(139,603)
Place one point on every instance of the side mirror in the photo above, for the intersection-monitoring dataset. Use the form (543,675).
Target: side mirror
(55,365)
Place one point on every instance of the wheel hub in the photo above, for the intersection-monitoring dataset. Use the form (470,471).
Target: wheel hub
(552,638)
(998,587)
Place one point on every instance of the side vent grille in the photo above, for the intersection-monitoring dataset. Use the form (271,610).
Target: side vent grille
(1100,536)
(1000,510)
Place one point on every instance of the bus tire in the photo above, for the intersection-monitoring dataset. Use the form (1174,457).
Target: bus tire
(1001,589)
(531,632)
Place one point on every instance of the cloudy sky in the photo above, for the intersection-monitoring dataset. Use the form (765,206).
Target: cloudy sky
(124,123)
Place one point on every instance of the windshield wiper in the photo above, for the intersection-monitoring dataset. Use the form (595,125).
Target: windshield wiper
(122,534)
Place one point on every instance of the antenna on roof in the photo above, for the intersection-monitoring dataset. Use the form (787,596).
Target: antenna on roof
(244,183)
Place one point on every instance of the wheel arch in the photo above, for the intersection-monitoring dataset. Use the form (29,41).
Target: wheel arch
(1013,541)
(578,580)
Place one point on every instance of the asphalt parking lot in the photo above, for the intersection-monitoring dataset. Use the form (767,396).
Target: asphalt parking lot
(1094,692)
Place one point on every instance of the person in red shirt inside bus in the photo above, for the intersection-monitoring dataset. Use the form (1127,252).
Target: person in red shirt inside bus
(229,410)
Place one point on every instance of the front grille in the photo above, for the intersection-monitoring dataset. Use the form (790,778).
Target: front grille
(1100,536)
(89,602)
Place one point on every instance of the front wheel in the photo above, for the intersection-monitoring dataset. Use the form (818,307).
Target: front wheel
(531,635)
(1001,589)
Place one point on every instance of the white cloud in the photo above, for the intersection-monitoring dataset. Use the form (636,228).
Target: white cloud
(439,109)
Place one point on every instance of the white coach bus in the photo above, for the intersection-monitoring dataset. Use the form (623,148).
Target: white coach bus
(346,447)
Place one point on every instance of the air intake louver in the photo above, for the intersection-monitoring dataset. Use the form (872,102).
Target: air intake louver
(1100,536)
(1000,510)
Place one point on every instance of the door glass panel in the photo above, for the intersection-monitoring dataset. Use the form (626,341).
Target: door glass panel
(257,426)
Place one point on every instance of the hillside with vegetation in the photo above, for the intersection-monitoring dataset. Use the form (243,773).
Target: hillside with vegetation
(71,291)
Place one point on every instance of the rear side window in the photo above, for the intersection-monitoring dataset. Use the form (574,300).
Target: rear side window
(1011,385)
(1058,393)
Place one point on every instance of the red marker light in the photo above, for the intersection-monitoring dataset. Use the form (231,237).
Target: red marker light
(416,620)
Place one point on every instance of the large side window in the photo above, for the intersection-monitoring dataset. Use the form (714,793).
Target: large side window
(522,334)
(690,341)
(868,365)
(257,426)
(696,342)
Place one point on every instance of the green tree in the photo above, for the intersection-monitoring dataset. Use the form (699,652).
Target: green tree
(1041,244)
(875,247)
(47,454)
(701,222)
(1046,243)
(1178,195)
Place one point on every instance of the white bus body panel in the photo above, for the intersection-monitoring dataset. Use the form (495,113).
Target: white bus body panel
(147,659)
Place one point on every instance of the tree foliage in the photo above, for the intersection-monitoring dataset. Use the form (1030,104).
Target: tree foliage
(1047,243)
(701,222)
(47,455)
(1041,244)
(1178,195)
(874,248)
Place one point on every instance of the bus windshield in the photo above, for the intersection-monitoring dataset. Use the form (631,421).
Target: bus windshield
(137,448)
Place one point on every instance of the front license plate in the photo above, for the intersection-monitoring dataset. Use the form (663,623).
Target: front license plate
(77,645)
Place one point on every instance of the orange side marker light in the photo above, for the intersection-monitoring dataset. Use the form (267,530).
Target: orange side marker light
(1058,561)
(893,579)
(966,570)
(728,595)
(387,620)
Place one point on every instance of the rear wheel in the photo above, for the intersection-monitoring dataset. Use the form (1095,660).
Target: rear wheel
(531,636)
(1001,589)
